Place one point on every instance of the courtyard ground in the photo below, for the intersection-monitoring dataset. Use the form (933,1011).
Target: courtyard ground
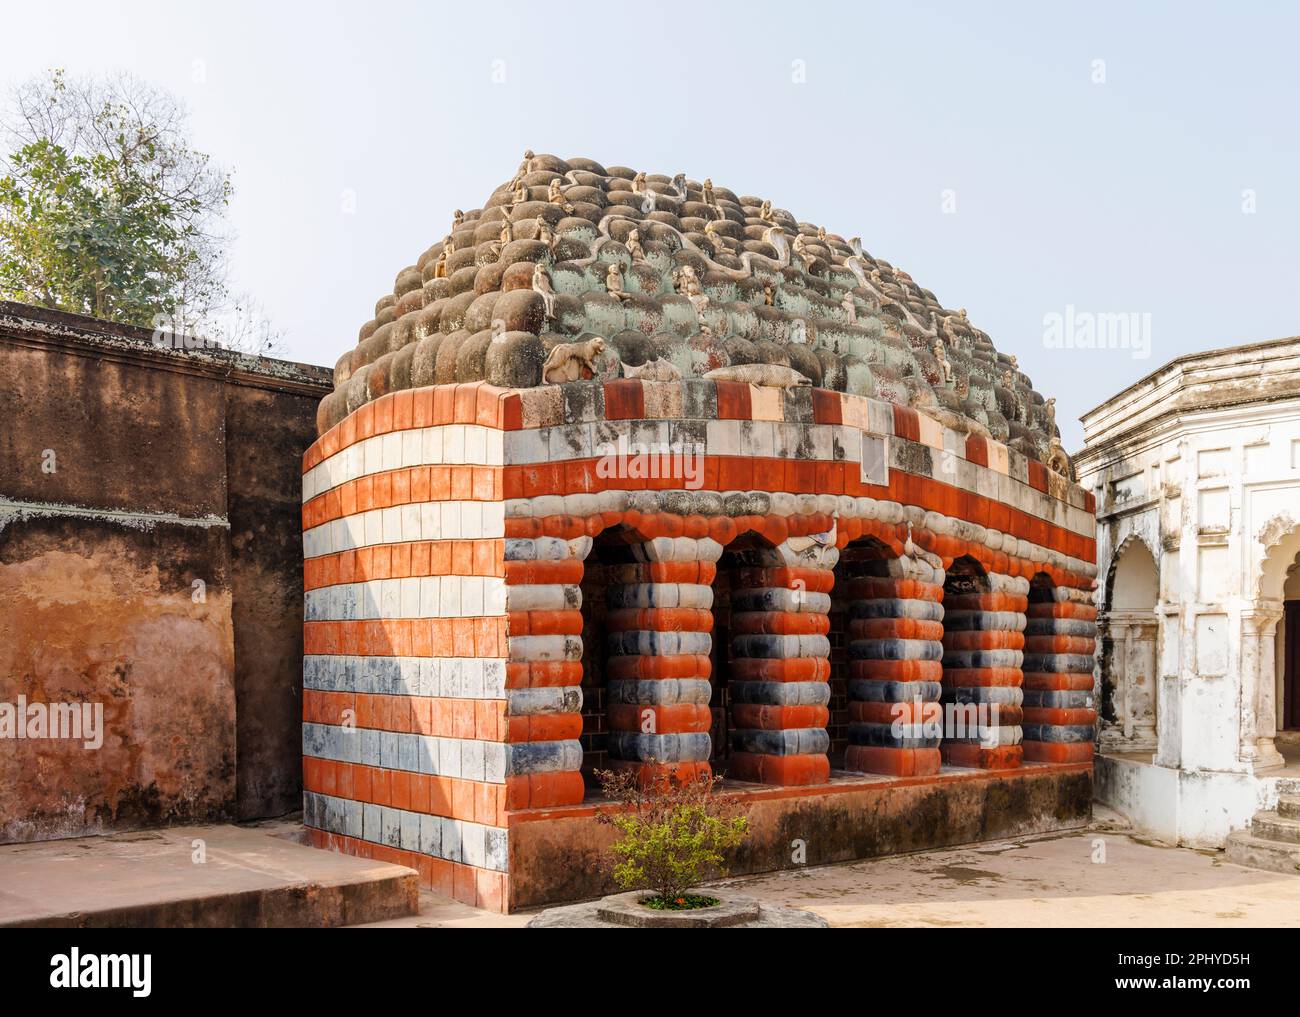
(261,874)
(1050,881)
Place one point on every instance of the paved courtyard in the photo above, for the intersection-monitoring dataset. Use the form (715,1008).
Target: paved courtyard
(1051,881)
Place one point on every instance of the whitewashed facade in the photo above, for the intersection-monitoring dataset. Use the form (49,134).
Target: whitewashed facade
(1196,473)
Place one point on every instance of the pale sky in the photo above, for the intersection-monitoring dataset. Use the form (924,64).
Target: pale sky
(1016,158)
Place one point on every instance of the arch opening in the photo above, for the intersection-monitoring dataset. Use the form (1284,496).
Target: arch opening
(742,553)
(1130,651)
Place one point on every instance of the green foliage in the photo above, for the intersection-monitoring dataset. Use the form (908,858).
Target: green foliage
(675,833)
(104,207)
(686,902)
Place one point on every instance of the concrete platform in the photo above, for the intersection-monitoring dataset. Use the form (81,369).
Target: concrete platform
(1196,809)
(559,855)
(1050,881)
(255,876)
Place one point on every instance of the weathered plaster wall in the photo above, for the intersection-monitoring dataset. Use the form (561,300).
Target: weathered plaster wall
(266,432)
(1200,464)
(149,562)
(97,612)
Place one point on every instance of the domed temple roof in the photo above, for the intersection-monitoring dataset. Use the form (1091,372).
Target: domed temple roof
(680,278)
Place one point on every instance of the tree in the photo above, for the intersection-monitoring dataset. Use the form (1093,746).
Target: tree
(107,209)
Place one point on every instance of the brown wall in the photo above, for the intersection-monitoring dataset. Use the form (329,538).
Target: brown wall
(171,467)
(267,432)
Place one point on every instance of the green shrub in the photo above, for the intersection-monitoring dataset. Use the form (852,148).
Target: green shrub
(675,833)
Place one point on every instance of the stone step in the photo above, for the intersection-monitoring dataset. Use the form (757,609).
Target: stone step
(1242,848)
(1289,806)
(242,876)
(1271,826)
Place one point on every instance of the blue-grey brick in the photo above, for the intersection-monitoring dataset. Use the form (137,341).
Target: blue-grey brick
(496,844)
(794,742)
(781,693)
(410,830)
(1058,699)
(650,643)
(309,816)
(868,691)
(543,757)
(352,818)
(666,748)
(911,736)
(426,754)
(1058,663)
(1058,733)
(1003,695)
(390,750)
(494,762)
(409,752)
(430,835)
(984,621)
(895,649)
(471,759)
(1060,627)
(650,692)
(370,746)
(923,610)
(451,840)
(392,824)
(372,823)
(971,659)
(472,847)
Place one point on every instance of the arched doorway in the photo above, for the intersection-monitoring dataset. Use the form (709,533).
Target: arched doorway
(983,650)
(1129,651)
(1287,656)
(646,639)
(772,658)
(1060,716)
(891,658)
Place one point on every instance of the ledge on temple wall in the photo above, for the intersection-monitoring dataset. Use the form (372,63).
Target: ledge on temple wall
(630,399)
(1214,379)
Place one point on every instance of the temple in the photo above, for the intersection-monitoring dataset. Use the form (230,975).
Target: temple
(1194,469)
(631,471)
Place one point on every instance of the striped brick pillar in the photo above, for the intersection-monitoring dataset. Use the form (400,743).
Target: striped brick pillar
(983,643)
(895,636)
(780,664)
(1060,641)
(659,622)
(544,671)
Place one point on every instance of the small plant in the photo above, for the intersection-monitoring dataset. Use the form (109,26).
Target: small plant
(675,833)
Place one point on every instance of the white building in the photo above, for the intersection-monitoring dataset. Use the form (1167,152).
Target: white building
(1196,473)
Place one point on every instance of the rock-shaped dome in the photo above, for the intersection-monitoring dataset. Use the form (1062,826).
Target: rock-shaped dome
(678,271)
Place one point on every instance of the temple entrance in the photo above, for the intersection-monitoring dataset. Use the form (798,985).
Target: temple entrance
(646,625)
(742,553)
(981,670)
(1289,710)
(863,565)
(1128,665)
(720,661)
(1288,686)
(607,551)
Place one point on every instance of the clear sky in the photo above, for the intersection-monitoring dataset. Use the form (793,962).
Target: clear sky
(1018,159)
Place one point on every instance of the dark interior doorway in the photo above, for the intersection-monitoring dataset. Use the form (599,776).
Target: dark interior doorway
(1291,668)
